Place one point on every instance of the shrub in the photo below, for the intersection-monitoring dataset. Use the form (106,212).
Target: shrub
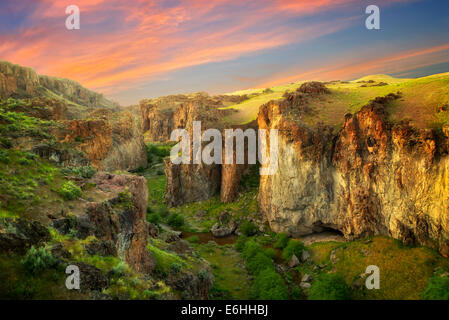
(281,240)
(294,247)
(270,252)
(163,212)
(437,289)
(154,218)
(203,275)
(37,260)
(176,267)
(69,191)
(248,228)
(120,269)
(175,220)
(240,243)
(268,285)
(251,249)
(4,157)
(329,286)
(85,171)
(258,263)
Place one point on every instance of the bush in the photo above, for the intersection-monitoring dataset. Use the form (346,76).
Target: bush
(85,171)
(437,289)
(268,285)
(294,247)
(240,243)
(258,263)
(176,267)
(251,249)
(4,157)
(120,269)
(154,218)
(329,286)
(69,191)
(37,260)
(270,252)
(163,212)
(175,220)
(248,228)
(281,240)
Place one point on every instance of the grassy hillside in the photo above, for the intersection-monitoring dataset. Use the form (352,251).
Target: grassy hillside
(424,100)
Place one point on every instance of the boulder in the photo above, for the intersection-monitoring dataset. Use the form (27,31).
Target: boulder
(294,261)
(17,234)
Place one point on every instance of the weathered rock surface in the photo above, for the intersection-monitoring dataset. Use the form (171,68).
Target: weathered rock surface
(159,117)
(370,178)
(190,182)
(19,234)
(21,82)
(111,141)
(120,219)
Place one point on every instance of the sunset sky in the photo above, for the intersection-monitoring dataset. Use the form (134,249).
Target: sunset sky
(131,50)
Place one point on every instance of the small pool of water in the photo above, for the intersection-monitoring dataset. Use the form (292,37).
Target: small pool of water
(205,237)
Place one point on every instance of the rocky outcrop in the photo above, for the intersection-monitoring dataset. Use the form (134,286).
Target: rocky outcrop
(159,117)
(190,182)
(120,219)
(111,142)
(22,82)
(372,177)
(19,234)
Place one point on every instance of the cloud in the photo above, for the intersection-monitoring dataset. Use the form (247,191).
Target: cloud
(123,44)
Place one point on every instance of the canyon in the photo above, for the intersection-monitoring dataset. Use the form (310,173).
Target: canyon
(88,182)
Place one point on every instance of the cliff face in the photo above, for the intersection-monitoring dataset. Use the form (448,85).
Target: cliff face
(190,182)
(111,141)
(22,82)
(118,221)
(161,116)
(370,178)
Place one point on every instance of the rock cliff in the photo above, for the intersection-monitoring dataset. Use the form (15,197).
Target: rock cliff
(120,218)
(22,82)
(111,141)
(372,177)
(159,117)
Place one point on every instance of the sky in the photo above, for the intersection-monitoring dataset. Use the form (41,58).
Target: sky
(136,49)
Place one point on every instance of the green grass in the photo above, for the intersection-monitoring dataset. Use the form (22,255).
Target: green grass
(404,271)
(421,99)
(228,269)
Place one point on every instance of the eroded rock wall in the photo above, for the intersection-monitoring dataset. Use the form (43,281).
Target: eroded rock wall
(112,142)
(370,178)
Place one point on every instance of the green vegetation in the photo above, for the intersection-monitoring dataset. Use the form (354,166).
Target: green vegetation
(231,277)
(329,286)
(420,102)
(405,271)
(282,240)
(69,191)
(37,260)
(269,285)
(164,259)
(175,220)
(248,228)
(157,152)
(294,247)
(436,289)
